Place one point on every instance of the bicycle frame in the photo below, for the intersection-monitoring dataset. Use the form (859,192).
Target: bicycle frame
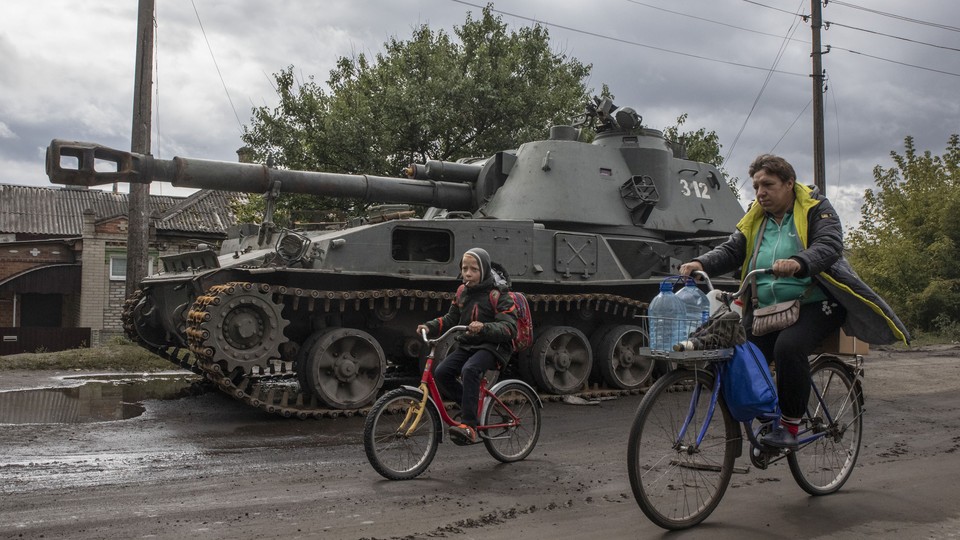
(431,396)
(804,437)
(714,399)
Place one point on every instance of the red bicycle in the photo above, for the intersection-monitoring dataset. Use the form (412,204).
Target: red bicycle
(405,426)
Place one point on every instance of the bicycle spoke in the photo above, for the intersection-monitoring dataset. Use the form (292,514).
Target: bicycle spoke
(398,445)
(677,482)
(824,464)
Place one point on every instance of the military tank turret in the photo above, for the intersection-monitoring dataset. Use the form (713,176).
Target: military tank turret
(307,323)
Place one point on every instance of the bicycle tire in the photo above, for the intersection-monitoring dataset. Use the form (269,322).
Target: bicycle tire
(394,455)
(512,443)
(676,485)
(822,466)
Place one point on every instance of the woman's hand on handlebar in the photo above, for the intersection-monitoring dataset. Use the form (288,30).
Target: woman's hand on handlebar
(688,268)
(785,267)
(474,328)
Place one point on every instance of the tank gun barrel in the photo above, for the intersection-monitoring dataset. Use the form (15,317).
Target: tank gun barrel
(77,163)
(446,171)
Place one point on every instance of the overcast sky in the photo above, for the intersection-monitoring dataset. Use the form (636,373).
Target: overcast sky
(66,71)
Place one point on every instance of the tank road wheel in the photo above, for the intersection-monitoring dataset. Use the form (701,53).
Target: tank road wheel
(619,357)
(300,362)
(141,321)
(345,368)
(244,327)
(596,338)
(561,360)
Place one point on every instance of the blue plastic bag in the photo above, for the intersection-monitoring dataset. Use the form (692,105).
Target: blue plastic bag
(747,386)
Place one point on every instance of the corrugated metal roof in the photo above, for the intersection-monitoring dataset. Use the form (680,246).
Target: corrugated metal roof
(59,211)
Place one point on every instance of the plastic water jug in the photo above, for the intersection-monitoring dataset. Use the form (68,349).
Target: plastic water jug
(666,315)
(696,305)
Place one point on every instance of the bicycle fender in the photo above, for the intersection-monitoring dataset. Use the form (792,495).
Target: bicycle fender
(496,387)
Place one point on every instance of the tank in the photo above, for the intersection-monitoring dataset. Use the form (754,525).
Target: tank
(309,323)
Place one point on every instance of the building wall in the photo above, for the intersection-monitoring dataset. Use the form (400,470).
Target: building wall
(99,303)
(23,256)
(93,289)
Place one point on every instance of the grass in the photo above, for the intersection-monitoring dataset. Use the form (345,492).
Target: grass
(117,355)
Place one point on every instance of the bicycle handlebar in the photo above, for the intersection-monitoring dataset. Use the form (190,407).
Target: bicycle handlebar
(457,328)
(727,298)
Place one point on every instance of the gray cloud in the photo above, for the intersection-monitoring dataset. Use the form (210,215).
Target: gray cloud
(68,73)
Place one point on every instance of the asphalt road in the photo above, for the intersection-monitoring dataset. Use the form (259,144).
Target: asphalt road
(205,467)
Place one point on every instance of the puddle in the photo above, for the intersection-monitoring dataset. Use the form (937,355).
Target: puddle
(95,399)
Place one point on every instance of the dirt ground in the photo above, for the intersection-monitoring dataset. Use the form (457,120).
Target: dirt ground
(205,467)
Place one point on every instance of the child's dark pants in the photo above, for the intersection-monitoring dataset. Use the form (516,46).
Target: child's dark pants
(470,367)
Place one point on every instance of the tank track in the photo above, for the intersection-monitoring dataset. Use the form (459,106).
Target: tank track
(274,388)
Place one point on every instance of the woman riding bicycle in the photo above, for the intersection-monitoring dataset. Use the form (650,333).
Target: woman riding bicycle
(795,231)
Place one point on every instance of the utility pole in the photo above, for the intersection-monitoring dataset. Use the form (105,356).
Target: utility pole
(138,232)
(819,167)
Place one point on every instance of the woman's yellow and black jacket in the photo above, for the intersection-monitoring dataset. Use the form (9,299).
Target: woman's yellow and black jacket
(869,318)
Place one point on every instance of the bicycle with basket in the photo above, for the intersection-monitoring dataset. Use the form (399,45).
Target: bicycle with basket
(684,441)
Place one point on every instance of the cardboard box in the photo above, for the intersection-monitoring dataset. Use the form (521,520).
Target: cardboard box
(841,343)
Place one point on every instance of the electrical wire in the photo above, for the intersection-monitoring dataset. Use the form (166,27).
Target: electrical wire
(156,90)
(860,53)
(898,17)
(210,48)
(783,46)
(620,40)
(156,87)
(834,23)
(834,47)
(715,22)
(836,119)
(805,107)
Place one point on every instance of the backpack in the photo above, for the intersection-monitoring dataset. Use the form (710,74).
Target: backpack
(748,389)
(524,338)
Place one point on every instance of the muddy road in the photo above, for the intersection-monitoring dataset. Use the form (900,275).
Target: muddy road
(205,467)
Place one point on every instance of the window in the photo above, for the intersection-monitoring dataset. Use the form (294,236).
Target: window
(422,245)
(118,267)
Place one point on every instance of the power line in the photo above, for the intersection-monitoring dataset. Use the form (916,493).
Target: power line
(857,52)
(829,23)
(831,47)
(773,8)
(624,41)
(210,48)
(899,17)
(763,87)
(714,21)
(805,107)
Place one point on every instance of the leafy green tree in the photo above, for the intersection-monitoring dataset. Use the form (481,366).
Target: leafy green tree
(703,146)
(906,244)
(434,96)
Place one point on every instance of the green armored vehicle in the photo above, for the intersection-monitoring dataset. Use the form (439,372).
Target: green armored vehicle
(312,323)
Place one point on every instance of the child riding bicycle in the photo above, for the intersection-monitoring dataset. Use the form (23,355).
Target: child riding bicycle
(483,306)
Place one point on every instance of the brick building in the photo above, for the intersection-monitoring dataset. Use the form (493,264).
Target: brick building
(63,258)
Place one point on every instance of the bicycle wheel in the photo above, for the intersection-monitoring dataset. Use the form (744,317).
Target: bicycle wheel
(676,482)
(822,466)
(511,441)
(391,451)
